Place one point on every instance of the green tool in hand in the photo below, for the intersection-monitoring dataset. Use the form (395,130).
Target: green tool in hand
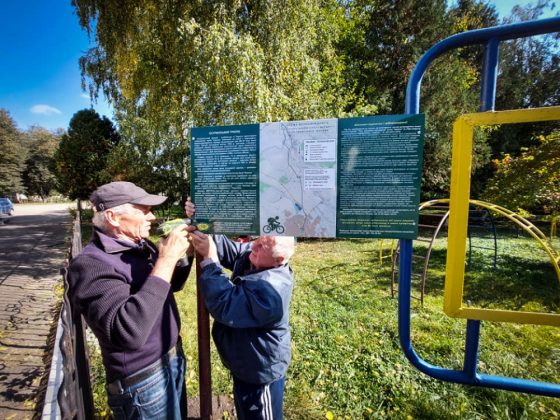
(166,227)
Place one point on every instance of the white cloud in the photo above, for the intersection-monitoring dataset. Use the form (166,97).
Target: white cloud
(85,96)
(45,110)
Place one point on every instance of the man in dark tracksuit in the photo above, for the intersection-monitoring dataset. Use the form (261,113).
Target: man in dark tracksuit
(123,285)
(251,314)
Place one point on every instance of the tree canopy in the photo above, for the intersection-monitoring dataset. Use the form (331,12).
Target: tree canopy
(529,78)
(215,63)
(37,175)
(12,155)
(383,42)
(168,66)
(80,160)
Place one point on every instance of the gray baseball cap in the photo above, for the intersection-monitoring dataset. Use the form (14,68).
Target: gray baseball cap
(121,192)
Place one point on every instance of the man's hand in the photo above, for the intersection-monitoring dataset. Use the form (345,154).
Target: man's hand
(204,245)
(175,245)
(190,208)
(171,249)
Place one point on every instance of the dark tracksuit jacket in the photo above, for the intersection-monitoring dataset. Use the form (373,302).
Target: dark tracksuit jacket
(251,313)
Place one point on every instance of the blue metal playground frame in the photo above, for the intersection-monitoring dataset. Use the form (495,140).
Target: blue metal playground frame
(491,38)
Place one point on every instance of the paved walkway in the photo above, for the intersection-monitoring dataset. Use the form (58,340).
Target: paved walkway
(33,247)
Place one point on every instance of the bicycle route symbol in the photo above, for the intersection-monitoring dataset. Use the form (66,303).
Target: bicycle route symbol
(273,225)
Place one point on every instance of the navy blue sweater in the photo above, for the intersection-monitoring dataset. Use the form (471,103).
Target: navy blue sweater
(132,313)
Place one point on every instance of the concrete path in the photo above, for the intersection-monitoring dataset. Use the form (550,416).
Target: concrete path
(33,247)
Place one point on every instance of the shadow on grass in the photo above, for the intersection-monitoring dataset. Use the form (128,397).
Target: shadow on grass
(349,283)
(517,283)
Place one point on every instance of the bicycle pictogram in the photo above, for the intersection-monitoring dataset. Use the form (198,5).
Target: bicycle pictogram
(273,224)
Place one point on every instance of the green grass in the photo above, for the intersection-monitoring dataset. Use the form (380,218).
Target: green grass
(347,362)
(347,358)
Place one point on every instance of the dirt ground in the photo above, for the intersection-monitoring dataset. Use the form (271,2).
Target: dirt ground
(222,408)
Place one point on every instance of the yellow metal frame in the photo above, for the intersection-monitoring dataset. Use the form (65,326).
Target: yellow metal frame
(392,246)
(459,214)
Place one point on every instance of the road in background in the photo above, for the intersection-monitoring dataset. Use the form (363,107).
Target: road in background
(33,248)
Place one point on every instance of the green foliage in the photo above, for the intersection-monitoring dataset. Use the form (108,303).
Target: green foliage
(214,63)
(529,78)
(473,14)
(451,87)
(530,181)
(383,42)
(80,160)
(37,175)
(12,155)
(441,111)
(168,66)
(158,160)
(26,158)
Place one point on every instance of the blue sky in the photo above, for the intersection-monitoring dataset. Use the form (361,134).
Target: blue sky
(40,82)
(503,7)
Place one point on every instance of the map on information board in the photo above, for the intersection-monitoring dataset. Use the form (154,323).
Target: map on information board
(354,177)
(297,177)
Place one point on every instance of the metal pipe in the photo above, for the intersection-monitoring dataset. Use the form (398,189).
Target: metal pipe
(489,75)
(471,348)
(479,36)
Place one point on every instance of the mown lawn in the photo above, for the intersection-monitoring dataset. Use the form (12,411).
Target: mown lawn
(347,362)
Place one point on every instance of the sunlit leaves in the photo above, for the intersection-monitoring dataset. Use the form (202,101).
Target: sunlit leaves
(216,63)
(530,181)
(168,66)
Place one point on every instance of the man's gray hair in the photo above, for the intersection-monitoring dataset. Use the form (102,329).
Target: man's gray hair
(99,219)
(284,246)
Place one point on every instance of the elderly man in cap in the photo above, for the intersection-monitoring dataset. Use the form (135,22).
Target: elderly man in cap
(122,284)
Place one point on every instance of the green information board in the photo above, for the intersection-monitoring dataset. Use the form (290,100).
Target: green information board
(353,177)
(225,174)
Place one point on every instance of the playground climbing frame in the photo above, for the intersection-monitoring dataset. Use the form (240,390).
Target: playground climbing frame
(491,39)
